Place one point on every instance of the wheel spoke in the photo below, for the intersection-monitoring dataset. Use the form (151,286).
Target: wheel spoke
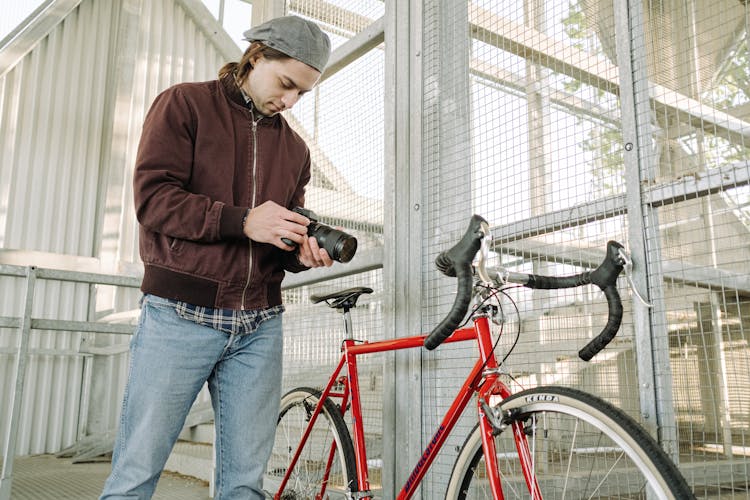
(605,476)
(570,459)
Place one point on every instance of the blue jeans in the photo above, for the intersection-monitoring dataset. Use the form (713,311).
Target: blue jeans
(170,360)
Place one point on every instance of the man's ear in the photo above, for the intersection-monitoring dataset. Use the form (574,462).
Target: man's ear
(255,58)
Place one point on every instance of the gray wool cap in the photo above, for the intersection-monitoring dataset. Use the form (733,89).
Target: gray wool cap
(296,37)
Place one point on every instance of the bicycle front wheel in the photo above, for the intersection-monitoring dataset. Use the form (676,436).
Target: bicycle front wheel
(580,447)
(326,465)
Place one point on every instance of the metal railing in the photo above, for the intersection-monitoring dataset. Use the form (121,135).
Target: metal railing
(25,324)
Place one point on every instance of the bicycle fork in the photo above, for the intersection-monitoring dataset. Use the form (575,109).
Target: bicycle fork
(490,425)
(491,422)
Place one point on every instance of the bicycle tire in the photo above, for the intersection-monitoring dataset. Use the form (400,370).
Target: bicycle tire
(581,447)
(306,480)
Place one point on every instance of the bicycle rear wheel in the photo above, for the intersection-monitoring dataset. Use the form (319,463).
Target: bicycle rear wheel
(326,464)
(580,446)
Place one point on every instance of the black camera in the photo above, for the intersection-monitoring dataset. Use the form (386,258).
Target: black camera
(339,245)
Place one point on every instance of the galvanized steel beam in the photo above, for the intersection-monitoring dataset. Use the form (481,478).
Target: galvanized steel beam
(19,373)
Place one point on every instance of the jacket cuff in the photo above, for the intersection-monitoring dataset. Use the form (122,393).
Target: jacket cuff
(290,262)
(230,224)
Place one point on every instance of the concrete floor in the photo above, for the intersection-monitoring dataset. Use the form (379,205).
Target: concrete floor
(45,477)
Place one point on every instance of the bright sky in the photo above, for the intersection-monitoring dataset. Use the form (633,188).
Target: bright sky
(237,17)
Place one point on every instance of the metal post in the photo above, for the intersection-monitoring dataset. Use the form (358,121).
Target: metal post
(19,372)
(651,336)
(402,228)
(538,115)
(447,203)
(265,10)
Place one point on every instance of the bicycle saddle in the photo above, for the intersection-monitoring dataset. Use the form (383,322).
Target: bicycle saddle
(343,298)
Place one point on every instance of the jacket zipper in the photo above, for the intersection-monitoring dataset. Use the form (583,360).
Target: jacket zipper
(252,204)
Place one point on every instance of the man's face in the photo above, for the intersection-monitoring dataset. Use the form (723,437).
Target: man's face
(276,85)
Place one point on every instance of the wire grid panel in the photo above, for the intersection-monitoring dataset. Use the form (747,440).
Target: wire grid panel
(313,335)
(342,122)
(541,158)
(697,69)
(342,20)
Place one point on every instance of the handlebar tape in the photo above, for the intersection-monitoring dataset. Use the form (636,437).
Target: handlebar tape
(605,277)
(610,329)
(457,262)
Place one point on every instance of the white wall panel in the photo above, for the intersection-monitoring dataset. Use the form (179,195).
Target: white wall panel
(70,118)
(52,118)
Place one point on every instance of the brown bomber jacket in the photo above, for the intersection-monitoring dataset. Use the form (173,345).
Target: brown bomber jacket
(201,164)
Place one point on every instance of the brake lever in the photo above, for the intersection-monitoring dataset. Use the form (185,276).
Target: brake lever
(628,267)
(484,250)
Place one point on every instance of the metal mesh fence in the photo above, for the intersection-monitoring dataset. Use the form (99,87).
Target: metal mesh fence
(567,124)
(342,122)
(696,62)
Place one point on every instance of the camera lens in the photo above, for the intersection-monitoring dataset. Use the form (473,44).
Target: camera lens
(346,247)
(339,245)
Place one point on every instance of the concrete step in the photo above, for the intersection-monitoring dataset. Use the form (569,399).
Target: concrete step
(201,433)
(193,454)
(192,460)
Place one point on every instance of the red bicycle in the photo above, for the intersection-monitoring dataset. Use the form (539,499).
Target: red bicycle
(541,443)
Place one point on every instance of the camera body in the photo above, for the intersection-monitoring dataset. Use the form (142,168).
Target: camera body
(340,246)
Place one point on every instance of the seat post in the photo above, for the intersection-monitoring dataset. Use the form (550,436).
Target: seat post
(348,329)
(344,301)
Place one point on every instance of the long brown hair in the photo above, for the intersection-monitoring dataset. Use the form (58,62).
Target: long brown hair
(242,68)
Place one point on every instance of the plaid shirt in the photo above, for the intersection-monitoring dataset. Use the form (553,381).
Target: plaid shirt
(227,320)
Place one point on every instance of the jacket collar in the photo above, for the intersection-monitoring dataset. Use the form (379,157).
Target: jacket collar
(237,96)
(231,90)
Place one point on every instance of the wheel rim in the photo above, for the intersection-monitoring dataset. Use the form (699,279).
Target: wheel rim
(572,459)
(306,480)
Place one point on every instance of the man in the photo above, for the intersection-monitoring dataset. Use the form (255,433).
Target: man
(217,172)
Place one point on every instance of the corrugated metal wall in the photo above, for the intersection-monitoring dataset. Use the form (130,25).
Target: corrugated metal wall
(53,116)
(67,141)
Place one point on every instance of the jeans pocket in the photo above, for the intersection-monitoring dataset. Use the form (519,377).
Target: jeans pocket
(157,302)
(153,306)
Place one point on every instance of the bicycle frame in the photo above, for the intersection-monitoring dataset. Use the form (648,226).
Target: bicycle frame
(483,379)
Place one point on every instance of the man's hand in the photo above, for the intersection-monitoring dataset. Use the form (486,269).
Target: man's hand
(269,222)
(311,255)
